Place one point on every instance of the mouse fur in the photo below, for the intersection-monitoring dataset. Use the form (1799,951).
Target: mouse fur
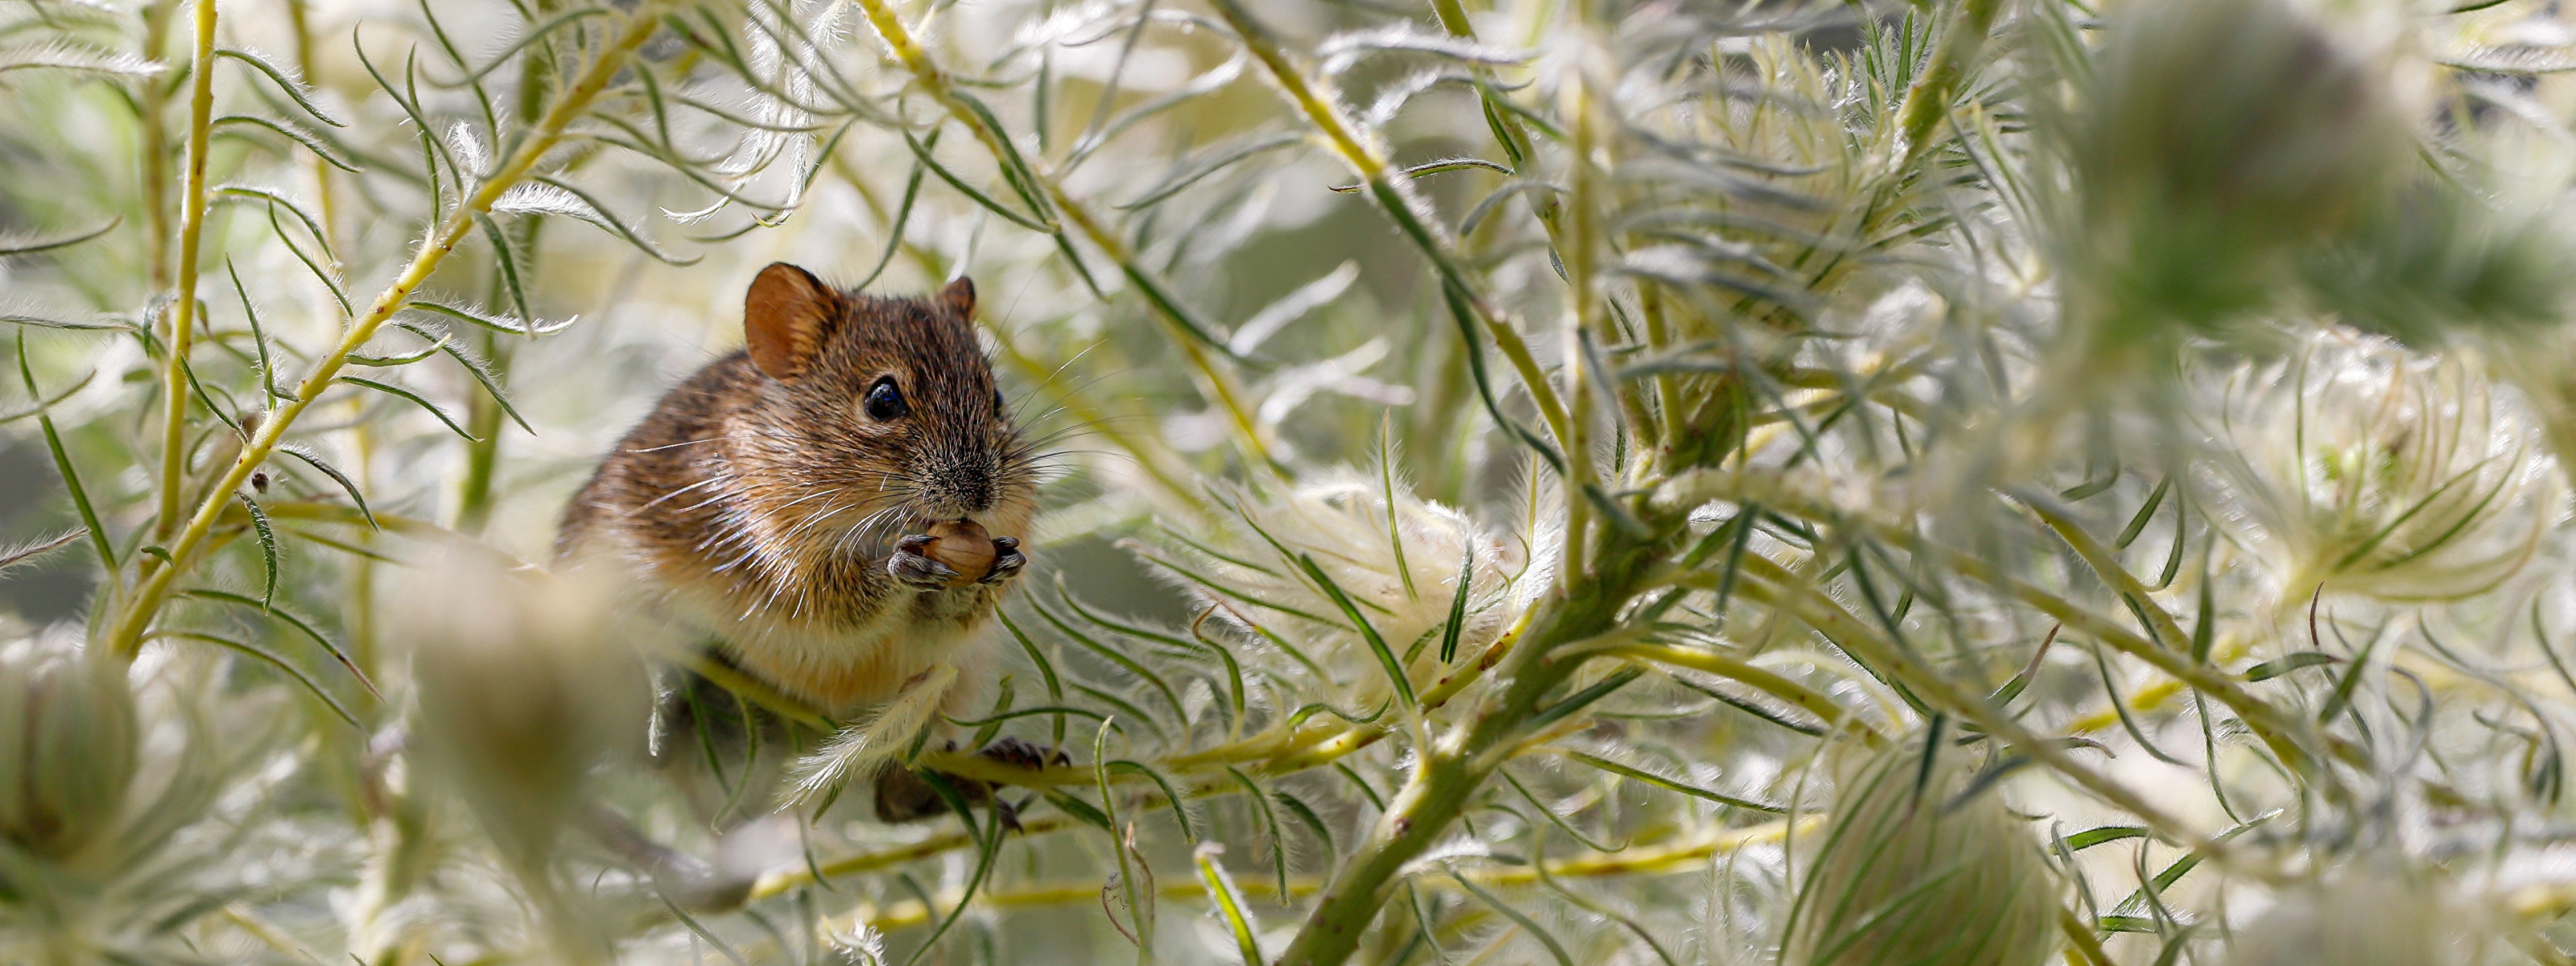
(766,502)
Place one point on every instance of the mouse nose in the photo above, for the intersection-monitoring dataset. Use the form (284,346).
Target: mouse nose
(962,485)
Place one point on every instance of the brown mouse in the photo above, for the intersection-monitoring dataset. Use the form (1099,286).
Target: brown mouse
(835,504)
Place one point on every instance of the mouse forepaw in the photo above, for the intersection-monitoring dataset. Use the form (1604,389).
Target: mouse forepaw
(1008,561)
(909,565)
(1013,751)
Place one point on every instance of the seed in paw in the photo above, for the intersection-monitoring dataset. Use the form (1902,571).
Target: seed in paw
(964,547)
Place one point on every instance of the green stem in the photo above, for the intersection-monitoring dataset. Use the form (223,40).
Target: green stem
(1928,102)
(183,313)
(483,452)
(1456,767)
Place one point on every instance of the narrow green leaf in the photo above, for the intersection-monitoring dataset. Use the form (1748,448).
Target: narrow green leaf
(273,660)
(1180,812)
(2341,697)
(267,550)
(1046,668)
(507,259)
(1528,925)
(902,215)
(922,152)
(1442,166)
(314,460)
(1672,785)
(286,80)
(1457,622)
(549,195)
(415,398)
(42,322)
(2286,664)
(258,337)
(1229,902)
(475,367)
(1210,162)
(17,244)
(13,556)
(496,324)
(63,464)
(2109,833)
(1114,656)
(300,136)
(1082,811)
(1395,675)
(533,37)
(1583,699)
(2138,523)
(290,619)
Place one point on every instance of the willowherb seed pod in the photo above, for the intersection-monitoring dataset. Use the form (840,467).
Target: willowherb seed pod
(1910,873)
(2217,136)
(69,749)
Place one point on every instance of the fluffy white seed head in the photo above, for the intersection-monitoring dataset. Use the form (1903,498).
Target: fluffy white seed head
(2357,465)
(1403,580)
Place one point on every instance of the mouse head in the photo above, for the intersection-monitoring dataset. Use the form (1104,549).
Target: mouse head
(887,399)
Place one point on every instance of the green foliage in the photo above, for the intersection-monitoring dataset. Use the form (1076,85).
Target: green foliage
(1794,482)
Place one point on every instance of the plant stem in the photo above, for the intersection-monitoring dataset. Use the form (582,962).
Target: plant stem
(1927,103)
(1670,856)
(1454,768)
(183,314)
(126,637)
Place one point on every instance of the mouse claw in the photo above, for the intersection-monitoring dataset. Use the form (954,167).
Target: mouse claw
(1007,560)
(909,565)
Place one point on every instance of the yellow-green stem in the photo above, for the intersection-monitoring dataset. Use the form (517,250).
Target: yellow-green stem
(183,311)
(127,634)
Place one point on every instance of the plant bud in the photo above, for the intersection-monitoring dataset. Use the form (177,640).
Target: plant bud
(2218,135)
(69,748)
(522,691)
(1911,873)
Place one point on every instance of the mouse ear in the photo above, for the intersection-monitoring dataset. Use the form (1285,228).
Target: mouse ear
(784,319)
(959,297)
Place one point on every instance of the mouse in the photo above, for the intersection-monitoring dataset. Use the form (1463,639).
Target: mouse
(837,506)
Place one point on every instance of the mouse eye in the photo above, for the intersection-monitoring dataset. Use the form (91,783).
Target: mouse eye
(1001,404)
(885,402)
